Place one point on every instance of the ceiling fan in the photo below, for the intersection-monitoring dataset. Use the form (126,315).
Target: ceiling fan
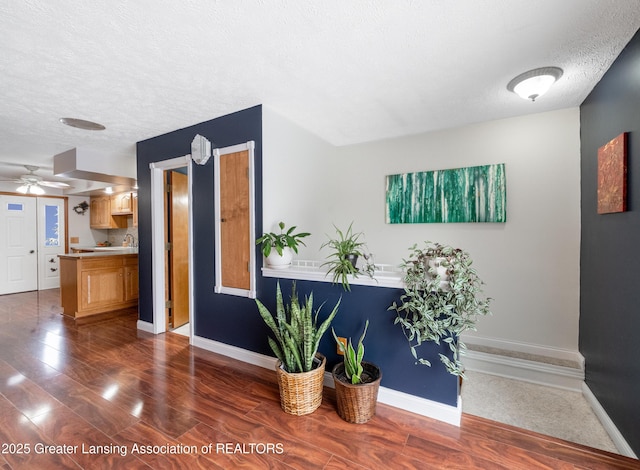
(32,183)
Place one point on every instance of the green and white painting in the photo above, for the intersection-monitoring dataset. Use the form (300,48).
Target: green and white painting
(472,194)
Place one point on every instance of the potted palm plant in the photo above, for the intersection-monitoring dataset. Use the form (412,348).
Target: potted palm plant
(296,338)
(347,247)
(356,382)
(278,248)
(442,299)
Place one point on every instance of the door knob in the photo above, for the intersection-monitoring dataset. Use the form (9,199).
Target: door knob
(32,252)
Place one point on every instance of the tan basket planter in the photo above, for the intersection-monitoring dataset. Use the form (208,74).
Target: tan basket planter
(357,403)
(301,392)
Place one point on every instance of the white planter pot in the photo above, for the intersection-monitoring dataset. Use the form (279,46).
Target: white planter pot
(436,263)
(275,261)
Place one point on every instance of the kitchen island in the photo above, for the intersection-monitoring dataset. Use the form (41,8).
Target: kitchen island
(98,282)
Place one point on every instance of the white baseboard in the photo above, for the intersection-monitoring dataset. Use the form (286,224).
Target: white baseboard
(527,348)
(145,326)
(615,435)
(422,406)
(529,371)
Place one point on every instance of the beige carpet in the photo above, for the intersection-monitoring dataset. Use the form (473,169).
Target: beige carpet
(547,410)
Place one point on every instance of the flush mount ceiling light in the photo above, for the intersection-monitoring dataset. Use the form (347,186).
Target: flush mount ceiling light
(534,83)
(82,124)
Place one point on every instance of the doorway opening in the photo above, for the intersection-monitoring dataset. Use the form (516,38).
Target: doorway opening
(172,247)
(177,250)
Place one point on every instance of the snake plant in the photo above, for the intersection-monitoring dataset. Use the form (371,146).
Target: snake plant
(295,329)
(352,357)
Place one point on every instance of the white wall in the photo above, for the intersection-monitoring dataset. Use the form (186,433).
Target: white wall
(79,224)
(530,264)
(294,180)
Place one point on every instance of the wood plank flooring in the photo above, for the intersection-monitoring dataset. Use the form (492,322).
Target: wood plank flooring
(103,395)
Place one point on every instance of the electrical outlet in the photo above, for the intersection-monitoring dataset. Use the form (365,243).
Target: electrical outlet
(74,239)
(343,341)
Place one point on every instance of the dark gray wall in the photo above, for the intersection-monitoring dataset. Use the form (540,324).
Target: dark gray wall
(610,250)
(235,320)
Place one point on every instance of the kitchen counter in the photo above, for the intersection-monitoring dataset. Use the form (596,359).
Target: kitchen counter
(101,251)
(98,282)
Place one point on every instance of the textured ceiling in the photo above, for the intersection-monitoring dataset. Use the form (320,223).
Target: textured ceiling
(349,71)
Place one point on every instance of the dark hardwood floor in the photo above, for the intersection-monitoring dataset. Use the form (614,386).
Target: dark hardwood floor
(101,395)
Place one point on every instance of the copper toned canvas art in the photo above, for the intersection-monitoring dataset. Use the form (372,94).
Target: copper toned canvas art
(612,176)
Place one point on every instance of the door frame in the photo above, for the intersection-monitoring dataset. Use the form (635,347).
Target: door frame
(157,240)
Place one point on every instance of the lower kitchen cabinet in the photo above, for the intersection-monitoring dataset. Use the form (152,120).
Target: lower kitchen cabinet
(91,284)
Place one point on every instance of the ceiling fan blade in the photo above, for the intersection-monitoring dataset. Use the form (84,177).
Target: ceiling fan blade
(54,184)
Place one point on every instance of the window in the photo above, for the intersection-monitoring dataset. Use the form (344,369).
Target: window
(51,226)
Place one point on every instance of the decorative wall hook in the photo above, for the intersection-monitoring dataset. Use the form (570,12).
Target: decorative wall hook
(81,208)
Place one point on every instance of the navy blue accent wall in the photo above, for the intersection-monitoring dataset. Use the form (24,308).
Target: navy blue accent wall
(385,344)
(610,250)
(232,129)
(235,320)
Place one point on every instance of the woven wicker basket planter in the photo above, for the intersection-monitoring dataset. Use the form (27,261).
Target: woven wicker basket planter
(357,403)
(301,392)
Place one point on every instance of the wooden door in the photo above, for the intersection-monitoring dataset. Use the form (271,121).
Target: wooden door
(235,220)
(18,244)
(178,238)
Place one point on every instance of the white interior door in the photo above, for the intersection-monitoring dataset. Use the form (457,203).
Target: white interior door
(18,245)
(51,239)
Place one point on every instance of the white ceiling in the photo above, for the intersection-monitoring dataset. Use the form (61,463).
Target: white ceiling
(349,71)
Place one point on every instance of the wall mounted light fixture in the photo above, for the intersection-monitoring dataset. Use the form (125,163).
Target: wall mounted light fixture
(534,83)
(200,149)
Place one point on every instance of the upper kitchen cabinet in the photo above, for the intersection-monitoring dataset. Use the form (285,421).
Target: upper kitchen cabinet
(135,209)
(122,204)
(101,215)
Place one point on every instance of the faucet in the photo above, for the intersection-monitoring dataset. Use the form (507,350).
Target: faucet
(129,240)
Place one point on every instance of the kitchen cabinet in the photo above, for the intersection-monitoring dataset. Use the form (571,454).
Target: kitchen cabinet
(101,288)
(135,209)
(122,204)
(131,279)
(93,283)
(100,214)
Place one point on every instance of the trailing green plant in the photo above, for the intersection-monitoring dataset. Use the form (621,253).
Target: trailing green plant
(352,357)
(442,299)
(281,240)
(347,247)
(296,331)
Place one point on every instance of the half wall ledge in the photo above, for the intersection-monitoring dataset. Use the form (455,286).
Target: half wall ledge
(385,275)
